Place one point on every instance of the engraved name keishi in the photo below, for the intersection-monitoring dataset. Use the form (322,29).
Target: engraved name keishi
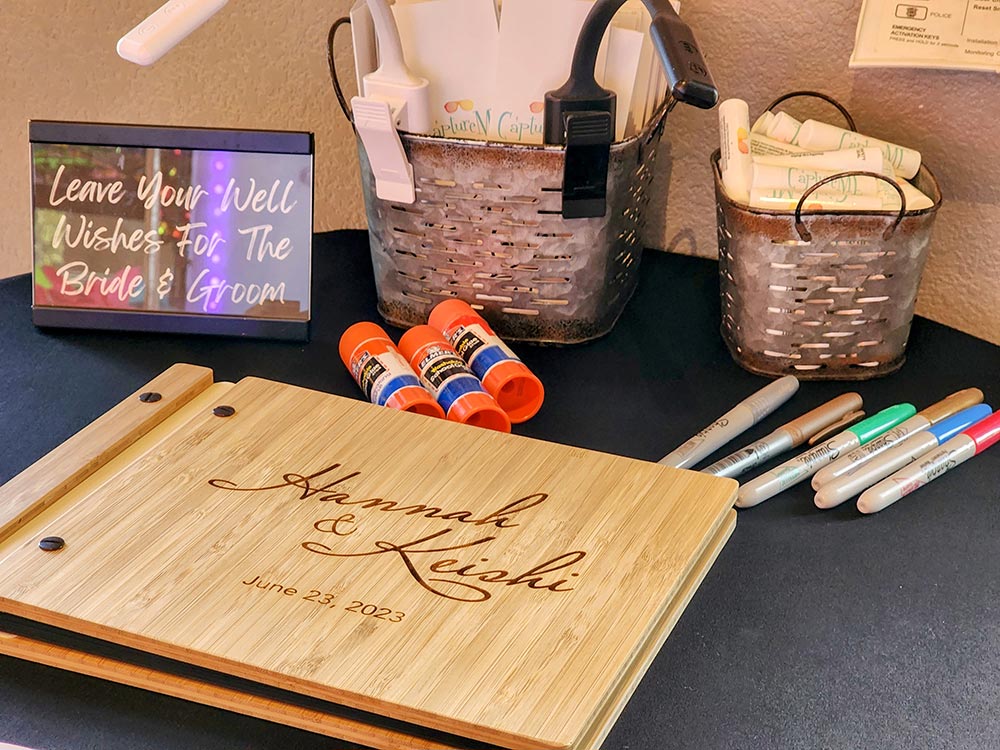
(426,559)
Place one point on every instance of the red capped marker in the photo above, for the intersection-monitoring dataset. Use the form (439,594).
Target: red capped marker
(959,449)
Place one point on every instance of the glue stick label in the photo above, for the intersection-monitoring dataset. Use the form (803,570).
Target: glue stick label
(447,376)
(382,376)
(480,348)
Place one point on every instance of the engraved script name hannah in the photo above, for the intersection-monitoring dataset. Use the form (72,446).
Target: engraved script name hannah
(423,558)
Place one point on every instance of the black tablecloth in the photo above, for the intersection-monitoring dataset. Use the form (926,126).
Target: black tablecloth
(813,630)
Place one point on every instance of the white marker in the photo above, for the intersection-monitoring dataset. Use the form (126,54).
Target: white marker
(958,450)
(923,419)
(733,423)
(790,473)
(905,452)
(165,29)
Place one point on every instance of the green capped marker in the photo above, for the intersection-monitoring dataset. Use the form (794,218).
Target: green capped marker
(803,466)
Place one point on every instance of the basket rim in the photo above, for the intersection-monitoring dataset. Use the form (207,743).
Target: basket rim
(654,124)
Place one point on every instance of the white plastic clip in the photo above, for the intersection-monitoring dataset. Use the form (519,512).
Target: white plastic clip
(376,124)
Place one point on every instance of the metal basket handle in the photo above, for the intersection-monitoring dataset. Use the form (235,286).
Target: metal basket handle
(332,63)
(806,235)
(816,95)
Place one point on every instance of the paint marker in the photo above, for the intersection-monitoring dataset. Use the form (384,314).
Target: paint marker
(905,452)
(923,419)
(733,423)
(786,437)
(803,466)
(838,427)
(959,449)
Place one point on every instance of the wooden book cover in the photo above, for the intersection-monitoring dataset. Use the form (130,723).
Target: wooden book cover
(489,586)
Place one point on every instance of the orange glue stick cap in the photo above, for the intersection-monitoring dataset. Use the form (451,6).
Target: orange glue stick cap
(449,379)
(383,373)
(516,388)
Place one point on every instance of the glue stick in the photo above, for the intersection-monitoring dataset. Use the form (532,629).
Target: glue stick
(449,379)
(383,373)
(504,375)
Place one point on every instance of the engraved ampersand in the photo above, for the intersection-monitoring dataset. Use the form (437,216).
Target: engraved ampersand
(429,560)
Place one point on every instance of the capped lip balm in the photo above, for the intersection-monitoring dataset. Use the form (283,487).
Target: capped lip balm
(516,389)
(392,383)
(454,385)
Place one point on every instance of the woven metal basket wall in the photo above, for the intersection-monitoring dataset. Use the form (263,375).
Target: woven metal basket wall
(487,228)
(831,297)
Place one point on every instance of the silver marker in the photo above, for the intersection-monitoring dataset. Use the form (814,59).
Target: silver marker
(803,466)
(733,423)
(786,437)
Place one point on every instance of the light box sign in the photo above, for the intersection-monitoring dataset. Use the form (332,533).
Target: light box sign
(172,229)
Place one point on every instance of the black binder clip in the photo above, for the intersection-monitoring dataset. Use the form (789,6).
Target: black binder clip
(581,114)
(585,176)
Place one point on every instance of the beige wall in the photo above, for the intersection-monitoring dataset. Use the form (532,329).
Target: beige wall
(261,64)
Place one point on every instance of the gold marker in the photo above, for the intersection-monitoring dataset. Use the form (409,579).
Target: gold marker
(786,437)
(923,419)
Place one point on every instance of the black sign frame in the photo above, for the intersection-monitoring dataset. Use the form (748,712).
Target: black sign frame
(167,137)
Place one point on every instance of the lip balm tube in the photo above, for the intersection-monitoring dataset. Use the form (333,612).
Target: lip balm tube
(735,162)
(905,452)
(761,145)
(971,442)
(789,436)
(735,422)
(786,128)
(865,159)
(821,136)
(382,373)
(772,176)
(923,419)
(505,377)
(778,199)
(803,466)
(450,381)
(915,199)
(762,123)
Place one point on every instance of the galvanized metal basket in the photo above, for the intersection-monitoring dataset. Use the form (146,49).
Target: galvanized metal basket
(487,227)
(822,296)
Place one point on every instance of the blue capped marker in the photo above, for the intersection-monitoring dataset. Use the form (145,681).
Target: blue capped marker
(913,447)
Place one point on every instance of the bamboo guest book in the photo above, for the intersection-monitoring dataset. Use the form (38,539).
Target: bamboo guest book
(386,578)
